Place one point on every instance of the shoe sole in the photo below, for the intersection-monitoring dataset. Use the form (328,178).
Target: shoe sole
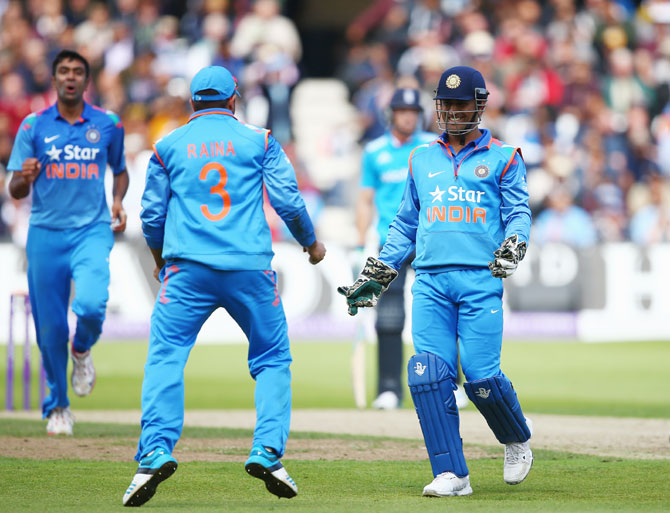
(274,485)
(148,490)
(464,491)
(87,393)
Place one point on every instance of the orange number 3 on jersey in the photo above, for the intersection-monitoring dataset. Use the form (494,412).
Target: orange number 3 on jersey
(216,189)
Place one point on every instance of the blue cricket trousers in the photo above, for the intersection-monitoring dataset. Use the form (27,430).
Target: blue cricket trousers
(55,258)
(459,307)
(189,293)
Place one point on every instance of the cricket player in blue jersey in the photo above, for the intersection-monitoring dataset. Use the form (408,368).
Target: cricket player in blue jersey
(60,155)
(383,175)
(465,212)
(203,220)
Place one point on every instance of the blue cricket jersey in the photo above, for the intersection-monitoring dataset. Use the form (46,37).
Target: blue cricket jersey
(69,191)
(457,209)
(384,168)
(203,199)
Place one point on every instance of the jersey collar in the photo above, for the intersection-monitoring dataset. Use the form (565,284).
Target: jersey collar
(85,114)
(483,141)
(396,142)
(207,112)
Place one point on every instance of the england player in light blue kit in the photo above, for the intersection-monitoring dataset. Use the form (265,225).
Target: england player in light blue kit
(465,211)
(384,171)
(61,154)
(203,219)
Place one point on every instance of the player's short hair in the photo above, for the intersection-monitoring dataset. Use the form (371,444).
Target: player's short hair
(69,55)
(207,104)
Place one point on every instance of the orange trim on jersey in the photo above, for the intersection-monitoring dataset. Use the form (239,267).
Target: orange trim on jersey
(509,163)
(410,161)
(158,156)
(198,114)
(267,139)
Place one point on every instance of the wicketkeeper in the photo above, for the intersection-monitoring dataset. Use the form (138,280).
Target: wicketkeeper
(465,212)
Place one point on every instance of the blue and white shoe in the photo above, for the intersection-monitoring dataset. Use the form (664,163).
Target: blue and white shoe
(265,465)
(154,468)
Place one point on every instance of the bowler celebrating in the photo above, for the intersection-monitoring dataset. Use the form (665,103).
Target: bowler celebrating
(465,211)
(61,154)
(203,219)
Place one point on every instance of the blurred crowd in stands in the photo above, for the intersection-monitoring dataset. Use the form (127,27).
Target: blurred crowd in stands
(583,87)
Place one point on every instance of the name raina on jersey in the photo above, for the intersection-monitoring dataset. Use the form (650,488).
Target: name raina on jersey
(211,149)
(458,213)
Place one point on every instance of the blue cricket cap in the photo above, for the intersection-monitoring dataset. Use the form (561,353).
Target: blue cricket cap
(406,99)
(461,83)
(217,78)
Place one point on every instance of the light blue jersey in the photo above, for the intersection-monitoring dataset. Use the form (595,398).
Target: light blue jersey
(69,191)
(457,209)
(203,199)
(384,168)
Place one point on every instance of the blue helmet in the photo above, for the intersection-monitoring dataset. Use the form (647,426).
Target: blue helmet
(406,99)
(460,83)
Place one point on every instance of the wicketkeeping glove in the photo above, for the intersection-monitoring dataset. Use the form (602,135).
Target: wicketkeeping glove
(507,257)
(373,280)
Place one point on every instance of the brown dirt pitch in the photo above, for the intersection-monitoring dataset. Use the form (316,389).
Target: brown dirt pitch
(601,436)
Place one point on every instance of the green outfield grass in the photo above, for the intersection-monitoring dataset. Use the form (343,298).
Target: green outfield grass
(617,379)
(559,482)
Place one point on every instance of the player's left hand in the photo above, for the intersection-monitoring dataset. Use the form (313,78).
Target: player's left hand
(119,217)
(507,257)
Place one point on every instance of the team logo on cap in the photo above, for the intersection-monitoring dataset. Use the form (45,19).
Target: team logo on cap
(453,81)
(482,171)
(92,135)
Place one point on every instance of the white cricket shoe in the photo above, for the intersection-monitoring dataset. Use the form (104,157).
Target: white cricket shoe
(462,400)
(60,422)
(518,459)
(448,484)
(386,401)
(83,373)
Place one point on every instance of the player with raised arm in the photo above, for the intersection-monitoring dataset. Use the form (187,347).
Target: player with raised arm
(60,155)
(203,219)
(465,212)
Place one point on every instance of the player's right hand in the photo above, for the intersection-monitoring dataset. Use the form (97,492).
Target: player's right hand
(30,169)
(316,252)
(371,283)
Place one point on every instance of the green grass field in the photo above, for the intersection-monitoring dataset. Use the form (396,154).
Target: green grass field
(622,379)
(559,482)
(618,379)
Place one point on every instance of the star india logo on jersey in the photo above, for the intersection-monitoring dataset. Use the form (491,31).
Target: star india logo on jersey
(453,81)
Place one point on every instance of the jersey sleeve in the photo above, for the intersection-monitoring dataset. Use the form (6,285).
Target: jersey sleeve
(368,175)
(401,240)
(116,155)
(155,203)
(285,198)
(515,211)
(23,144)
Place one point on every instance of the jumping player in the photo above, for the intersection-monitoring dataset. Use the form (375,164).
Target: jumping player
(465,212)
(203,219)
(60,155)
